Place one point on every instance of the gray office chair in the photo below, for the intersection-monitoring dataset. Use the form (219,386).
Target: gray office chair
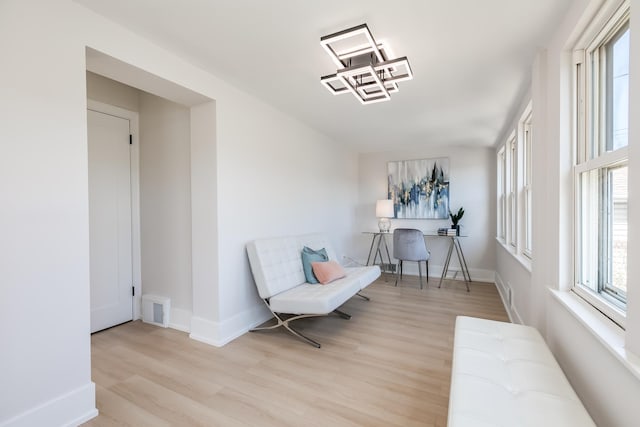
(409,245)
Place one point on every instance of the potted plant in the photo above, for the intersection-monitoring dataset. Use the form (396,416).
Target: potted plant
(455,218)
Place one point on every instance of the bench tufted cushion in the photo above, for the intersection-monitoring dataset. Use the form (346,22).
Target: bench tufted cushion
(503,374)
(276,264)
(315,299)
(363,275)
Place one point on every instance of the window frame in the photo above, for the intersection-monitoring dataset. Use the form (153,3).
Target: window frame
(513,188)
(512,191)
(590,136)
(526,196)
(502,190)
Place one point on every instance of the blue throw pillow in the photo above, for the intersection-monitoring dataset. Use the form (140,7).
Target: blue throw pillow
(308,256)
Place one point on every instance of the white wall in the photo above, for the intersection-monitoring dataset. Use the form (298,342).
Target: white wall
(44,248)
(472,177)
(165,203)
(274,176)
(600,373)
(204,220)
(607,387)
(513,280)
(114,93)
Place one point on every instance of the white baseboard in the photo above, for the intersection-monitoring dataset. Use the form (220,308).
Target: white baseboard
(515,316)
(221,333)
(180,319)
(70,409)
(205,331)
(506,294)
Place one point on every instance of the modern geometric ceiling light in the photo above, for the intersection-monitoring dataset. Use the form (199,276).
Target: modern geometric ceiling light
(364,70)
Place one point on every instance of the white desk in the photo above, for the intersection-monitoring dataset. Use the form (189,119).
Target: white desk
(379,242)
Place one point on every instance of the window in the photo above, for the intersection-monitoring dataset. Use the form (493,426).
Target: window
(514,178)
(502,191)
(602,119)
(511,209)
(527,175)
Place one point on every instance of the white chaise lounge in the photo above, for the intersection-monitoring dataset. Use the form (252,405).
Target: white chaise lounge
(504,374)
(277,269)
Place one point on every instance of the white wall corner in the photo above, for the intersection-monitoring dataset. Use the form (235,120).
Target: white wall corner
(221,333)
(204,330)
(180,319)
(70,409)
(480,275)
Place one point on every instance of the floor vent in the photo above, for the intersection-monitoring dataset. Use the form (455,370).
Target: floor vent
(155,310)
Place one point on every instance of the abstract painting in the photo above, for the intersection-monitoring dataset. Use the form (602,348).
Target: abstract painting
(419,188)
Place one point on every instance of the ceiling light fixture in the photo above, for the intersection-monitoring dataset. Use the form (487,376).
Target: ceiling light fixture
(364,70)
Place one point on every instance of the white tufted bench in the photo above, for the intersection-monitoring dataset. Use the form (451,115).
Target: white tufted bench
(503,374)
(276,265)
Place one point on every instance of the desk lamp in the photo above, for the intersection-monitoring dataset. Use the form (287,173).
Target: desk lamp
(384,211)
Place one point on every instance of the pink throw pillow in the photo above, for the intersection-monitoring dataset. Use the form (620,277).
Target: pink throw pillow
(328,271)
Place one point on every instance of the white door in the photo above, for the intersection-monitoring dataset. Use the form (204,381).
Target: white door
(109,220)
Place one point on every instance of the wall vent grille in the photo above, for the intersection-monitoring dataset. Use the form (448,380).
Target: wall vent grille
(155,310)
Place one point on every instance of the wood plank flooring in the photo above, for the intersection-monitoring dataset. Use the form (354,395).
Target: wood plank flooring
(390,365)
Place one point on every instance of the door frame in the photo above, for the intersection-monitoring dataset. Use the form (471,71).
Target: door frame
(133,118)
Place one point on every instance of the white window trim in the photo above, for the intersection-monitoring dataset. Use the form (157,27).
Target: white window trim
(610,310)
(525,182)
(512,190)
(501,199)
(611,336)
(609,158)
(607,21)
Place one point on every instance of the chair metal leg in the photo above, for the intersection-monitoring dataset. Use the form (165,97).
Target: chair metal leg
(342,314)
(420,273)
(302,337)
(363,296)
(398,271)
(285,323)
(427,264)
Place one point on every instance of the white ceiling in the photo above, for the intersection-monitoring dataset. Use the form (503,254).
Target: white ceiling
(471,59)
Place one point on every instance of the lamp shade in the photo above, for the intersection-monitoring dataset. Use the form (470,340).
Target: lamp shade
(384,209)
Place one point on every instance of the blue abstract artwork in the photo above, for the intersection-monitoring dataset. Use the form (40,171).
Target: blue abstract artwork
(419,188)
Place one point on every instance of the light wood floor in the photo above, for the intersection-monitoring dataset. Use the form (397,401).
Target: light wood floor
(388,366)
